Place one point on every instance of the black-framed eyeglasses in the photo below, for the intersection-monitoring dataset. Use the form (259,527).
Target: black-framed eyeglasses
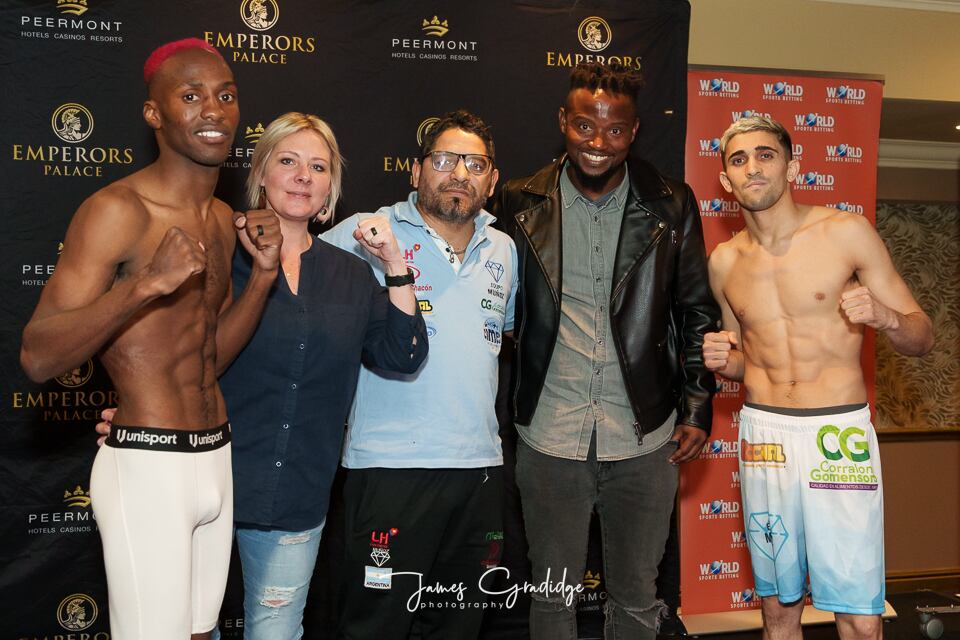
(446,161)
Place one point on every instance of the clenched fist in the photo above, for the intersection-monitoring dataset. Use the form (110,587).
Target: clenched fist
(860,307)
(716,349)
(376,236)
(259,233)
(178,257)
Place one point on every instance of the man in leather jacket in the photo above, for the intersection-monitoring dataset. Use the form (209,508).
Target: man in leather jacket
(610,389)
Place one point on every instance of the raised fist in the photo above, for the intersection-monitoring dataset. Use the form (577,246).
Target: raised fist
(259,233)
(716,349)
(178,257)
(375,234)
(860,307)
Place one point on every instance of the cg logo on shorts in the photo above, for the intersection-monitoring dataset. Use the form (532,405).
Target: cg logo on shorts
(856,449)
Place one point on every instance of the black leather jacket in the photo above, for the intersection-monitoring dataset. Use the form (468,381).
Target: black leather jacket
(660,304)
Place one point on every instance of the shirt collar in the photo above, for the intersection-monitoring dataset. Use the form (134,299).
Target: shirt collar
(569,193)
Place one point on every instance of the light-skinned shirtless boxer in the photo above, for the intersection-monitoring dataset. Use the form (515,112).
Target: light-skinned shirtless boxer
(144,283)
(796,288)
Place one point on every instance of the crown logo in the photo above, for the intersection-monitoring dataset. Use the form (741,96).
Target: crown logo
(434,27)
(252,134)
(591,580)
(76,7)
(77,498)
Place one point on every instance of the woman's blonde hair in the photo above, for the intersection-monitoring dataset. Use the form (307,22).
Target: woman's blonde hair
(285,125)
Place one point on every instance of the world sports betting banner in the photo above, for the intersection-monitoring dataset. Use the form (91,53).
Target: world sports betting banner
(380,72)
(834,123)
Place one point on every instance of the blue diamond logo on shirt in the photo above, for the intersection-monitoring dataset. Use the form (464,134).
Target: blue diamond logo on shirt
(767,533)
(495,269)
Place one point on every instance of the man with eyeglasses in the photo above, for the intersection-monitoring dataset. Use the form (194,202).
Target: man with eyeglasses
(611,390)
(424,482)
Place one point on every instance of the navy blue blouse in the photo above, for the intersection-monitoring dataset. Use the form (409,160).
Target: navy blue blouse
(289,392)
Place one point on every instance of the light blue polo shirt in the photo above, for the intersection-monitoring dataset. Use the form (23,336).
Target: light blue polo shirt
(443,416)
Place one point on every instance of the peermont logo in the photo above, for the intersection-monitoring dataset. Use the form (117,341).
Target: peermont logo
(260,48)
(434,47)
(595,35)
(259,15)
(70,25)
(77,612)
(239,157)
(72,123)
(76,498)
(435,27)
(77,8)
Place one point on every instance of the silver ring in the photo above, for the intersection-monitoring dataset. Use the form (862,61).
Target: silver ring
(373,231)
(259,230)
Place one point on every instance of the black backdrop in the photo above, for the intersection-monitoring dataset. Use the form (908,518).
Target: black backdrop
(376,71)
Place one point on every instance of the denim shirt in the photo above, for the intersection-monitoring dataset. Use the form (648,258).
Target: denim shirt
(584,396)
(289,391)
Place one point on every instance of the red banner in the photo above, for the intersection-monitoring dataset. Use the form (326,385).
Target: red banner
(835,125)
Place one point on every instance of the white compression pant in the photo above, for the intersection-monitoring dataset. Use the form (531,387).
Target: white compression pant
(166,522)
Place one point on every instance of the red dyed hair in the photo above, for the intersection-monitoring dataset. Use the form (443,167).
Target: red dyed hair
(164,51)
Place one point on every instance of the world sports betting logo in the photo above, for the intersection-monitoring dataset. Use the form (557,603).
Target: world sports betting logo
(720,510)
(845,94)
(434,45)
(719,208)
(746,599)
(782,91)
(849,207)
(846,153)
(747,113)
(594,35)
(718,88)
(719,570)
(257,46)
(814,122)
(815,181)
(709,148)
(720,449)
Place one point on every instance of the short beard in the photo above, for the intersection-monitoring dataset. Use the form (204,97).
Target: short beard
(455,210)
(595,182)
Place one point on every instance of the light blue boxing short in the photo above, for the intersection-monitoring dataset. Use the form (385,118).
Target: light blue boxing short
(813,503)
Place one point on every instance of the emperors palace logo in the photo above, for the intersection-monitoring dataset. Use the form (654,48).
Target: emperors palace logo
(74,401)
(73,23)
(393,164)
(77,612)
(595,35)
(431,43)
(71,124)
(256,45)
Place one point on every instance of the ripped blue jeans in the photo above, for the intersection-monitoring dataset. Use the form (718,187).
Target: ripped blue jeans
(277,567)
